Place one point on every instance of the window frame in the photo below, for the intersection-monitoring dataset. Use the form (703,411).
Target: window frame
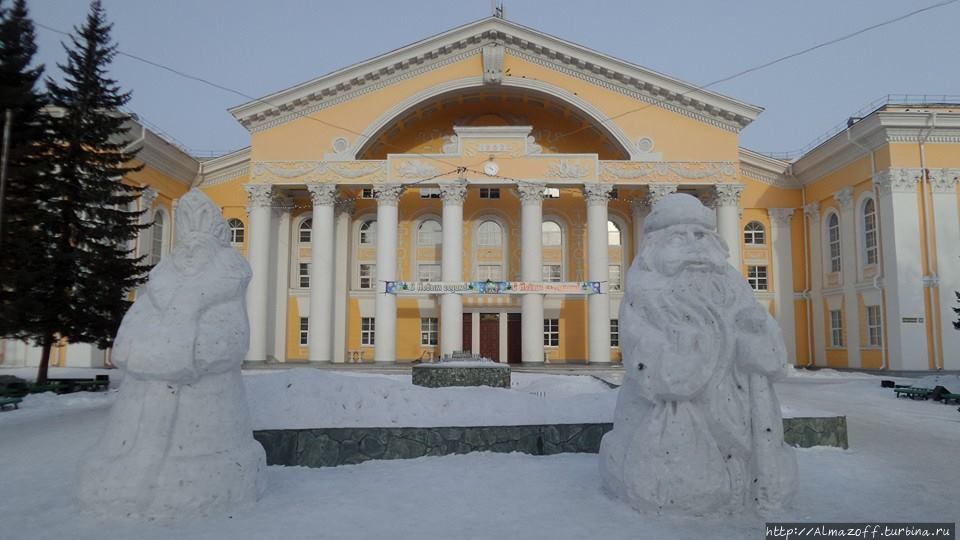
(367,233)
(370,277)
(237,229)
(871,253)
(874,326)
(480,234)
(835,259)
(755,236)
(429,331)
(157,236)
(551,332)
(547,273)
(489,193)
(617,230)
(304,331)
(368,331)
(615,285)
(303,275)
(483,272)
(435,237)
(434,275)
(615,332)
(759,283)
(305,231)
(544,233)
(836,328)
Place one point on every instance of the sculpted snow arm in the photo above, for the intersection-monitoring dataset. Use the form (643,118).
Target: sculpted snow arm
(760,346)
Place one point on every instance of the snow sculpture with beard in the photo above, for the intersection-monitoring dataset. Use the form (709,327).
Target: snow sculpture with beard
(179,439)
(697,428)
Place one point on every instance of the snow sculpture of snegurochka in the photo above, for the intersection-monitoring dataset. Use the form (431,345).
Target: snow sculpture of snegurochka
(697,428)
(179,441)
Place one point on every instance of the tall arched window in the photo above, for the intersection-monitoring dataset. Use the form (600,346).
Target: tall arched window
(613,234)
(833,241)
(754,233)
(368,233)
(489,234)
(156,240)
(236,231)
(870,232)
(306,227)
(552,234)
(430,233)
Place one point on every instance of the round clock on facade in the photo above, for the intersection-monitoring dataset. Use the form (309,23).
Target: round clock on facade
(491,168)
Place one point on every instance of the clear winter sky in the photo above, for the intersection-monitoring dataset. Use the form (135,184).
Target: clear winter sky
(261,46)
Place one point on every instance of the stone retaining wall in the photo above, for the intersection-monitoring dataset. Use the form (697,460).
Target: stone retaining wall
(327,447)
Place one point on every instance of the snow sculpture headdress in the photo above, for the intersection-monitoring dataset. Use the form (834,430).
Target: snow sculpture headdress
(197,213)
(679,209)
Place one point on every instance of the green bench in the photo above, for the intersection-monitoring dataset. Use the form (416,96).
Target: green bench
(9,402)
(913,393)
(947,398)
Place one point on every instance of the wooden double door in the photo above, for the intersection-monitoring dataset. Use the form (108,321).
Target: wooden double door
(490,335)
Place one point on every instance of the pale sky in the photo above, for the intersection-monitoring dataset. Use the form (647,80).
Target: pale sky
(260,46)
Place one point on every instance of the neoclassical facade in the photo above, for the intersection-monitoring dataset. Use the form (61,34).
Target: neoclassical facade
(378,203)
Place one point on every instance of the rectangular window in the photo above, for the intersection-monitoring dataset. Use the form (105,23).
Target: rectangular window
(874,329)
(551,332)
(551,193)
(304,275)
(368,276)
(366,193)
(757,277)
(613,278)
(836,328)
(489,193)
(491,272)
(552,273)
(428,331)
(614,332)
(304,331)
(428,272)
(429,193)
(367,330)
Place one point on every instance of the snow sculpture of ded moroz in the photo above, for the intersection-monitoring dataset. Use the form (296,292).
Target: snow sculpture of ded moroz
(179,440)
(697,428)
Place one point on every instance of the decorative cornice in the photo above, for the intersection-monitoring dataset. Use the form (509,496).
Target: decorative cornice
(453,193)
(224,168)
(812,210)
(895,180)
(531,192)
(163,156)
(597,194)
(943,180)
(766,169)
(322,194)
(388,194)
(259,195)
(728,194)
(567,169)
(669,171)
(147,196)
(780,217)
(416,170)
(658,191)
(316,171)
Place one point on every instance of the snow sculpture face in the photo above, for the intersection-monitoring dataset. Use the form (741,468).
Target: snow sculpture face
(684,247)
(194,252)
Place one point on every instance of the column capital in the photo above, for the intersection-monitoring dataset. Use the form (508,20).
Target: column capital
(780,217)
(640,204)
(897,180)
(597,194)
(812,210)
(345,206)
(655,192)
(322,194)
(845,198)
(728,194)
(944,180)
(282,204)
(453,192)
(260,195)
(531,192)
(147,196)
(388,194)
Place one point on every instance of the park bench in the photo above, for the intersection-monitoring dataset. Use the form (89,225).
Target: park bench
(947,398)
(913,393)
(9,402)
(67,386)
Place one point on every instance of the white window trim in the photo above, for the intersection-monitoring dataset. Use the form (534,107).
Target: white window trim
(243,229)
(564,243)
(827,259)
(475,247)
(832,343)
(545,319)
(861,231)
(764,229)
(354,250)
(303,219)
(164,232)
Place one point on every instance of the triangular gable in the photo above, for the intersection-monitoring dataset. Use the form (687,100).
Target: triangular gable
(617,75)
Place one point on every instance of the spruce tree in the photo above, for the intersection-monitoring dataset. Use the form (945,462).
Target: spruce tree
(956,323)
(27,309)
(94,269)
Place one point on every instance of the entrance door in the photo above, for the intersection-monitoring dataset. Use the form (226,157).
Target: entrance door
(514,348)
(467,332)
(490,336)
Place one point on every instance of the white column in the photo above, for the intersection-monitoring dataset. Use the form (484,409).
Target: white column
(781,238)
(641,209)
(451,305)
(597,196)
(848,261)
(385,334)
(147,196)
(258,253)
(943,183)
(280,277)
(815,247)
(322,243)
(344,215)
(728,219)
(531,269)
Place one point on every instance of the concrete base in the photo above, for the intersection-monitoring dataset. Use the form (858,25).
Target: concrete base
(443,374)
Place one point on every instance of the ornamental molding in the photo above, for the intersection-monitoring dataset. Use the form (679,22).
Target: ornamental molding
(567,169)
(895,180)
(388,194)
(322,194)
(259,195)
(453,193)
(317,171)
(812,210)
(147,196)
(226,175)
(224,168)
(157,153)
(943,180)
(345,206)
(531,192)
(658,191)
(676,171)
(781,216)
(492,63)
(416,170)
(845,198)
(597,194)
(728,194)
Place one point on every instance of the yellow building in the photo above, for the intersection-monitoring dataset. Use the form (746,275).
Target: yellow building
(496,152)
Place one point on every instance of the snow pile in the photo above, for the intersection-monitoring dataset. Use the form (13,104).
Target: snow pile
(311,398)
(950,382)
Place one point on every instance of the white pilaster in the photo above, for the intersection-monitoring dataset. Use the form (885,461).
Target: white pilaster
(815,252)
(258,253)
(943,183)
(451,305)
(322,244)
(344,215)
(531,269)
(597,196)
(902,269)
(385,335)
(848,254)
(728,219)
(781,238)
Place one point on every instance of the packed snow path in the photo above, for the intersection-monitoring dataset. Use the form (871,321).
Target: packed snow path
(901,467)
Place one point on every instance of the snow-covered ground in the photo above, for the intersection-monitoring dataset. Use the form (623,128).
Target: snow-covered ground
(901,465)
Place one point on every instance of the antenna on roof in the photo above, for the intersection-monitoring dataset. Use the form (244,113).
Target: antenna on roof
(496,6)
